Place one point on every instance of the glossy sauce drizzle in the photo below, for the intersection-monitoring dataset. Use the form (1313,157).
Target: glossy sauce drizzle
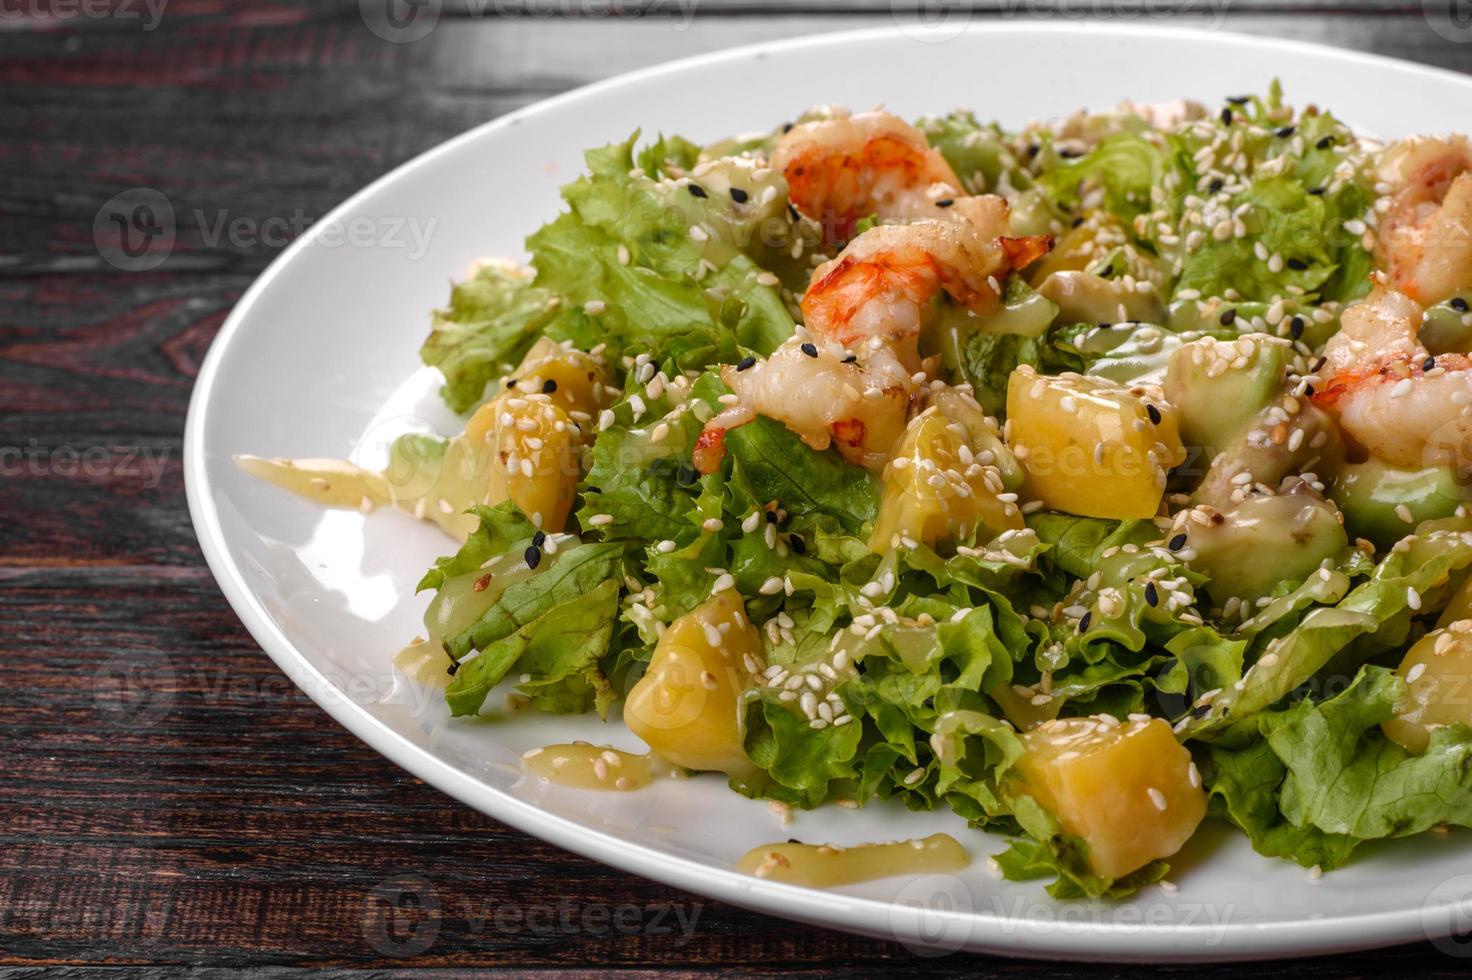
(829,865)
(586,766)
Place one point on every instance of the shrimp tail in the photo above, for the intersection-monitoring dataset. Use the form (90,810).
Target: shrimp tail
(710,447)
(1023,252)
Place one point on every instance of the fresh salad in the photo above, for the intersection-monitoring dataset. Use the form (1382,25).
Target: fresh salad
(1087,479)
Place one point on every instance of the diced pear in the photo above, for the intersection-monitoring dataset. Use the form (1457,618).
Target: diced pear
(687,704)
(529,450)
(1438,675)
(1127,789)
(575,381)
(935,489)
(1090,446)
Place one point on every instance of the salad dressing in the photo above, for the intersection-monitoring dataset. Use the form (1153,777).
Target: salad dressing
(582,765)
(830,865)
(422,480)
(330,482)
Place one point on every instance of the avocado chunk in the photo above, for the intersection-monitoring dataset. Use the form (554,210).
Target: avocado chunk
(1383,504)
(1447,327)
(1252,546)
(1130,353)
(1220,386)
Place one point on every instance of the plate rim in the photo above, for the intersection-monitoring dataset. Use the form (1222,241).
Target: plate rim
(986,932)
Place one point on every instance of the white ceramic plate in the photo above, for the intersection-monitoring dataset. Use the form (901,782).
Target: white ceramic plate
(319,359)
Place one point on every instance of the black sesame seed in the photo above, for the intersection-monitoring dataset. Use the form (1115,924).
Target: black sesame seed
(810,350)
(696,189)
(1226,117)
(1078,221)
(1457,303)
(1297,265)
(745,363)
(1070,153)
(851,359)
(1201,711)
(771,517)
(787,127)
(1216,184)
(1428,364)
(454,666)
(1228,317)
(1238,99)
(549,386)
(945,202)
(739,196)
(539,539)
(1325,142)
(792,211)
(1318,364)
(1083,623)
(1295,327)
(1177,543)
(1316,191)
(511,382)
(1287,131)
(1308,390)
(533,556)
(797,545)
(1153,412)
(1032,150)
(1152,594)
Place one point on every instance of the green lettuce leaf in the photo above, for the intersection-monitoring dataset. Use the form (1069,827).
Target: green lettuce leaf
(492,320)
(558,652)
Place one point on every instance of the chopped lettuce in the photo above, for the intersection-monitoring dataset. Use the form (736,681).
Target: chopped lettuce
(492,320)
(1312,781)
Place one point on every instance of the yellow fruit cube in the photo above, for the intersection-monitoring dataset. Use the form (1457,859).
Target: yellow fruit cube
(937,489)
(1090,446)
(687,704)
(1129,790)
(577,382)
(529,452)
(1438,675)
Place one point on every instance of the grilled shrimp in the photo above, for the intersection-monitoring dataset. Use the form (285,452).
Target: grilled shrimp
(1425,237)
(880,287)
(1390,396)
(847,167)
(821,393)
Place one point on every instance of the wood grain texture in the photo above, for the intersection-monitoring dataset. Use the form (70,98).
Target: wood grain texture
(170,805)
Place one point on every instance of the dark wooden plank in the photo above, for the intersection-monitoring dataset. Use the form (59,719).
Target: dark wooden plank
(213,818)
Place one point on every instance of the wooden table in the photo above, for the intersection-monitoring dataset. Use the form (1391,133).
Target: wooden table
(240,825)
